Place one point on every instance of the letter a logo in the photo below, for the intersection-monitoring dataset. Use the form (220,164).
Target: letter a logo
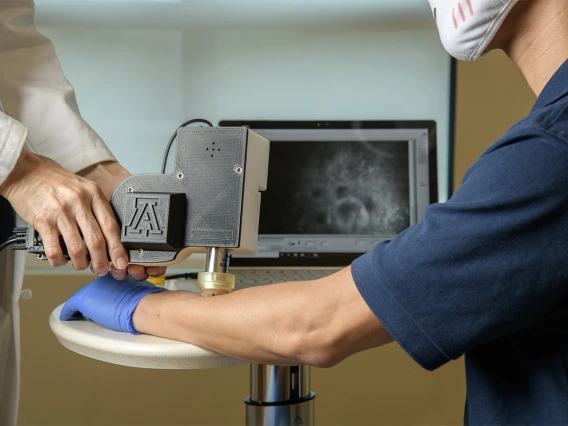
(144,221)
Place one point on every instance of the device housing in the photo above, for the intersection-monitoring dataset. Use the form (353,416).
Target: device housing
(220,171)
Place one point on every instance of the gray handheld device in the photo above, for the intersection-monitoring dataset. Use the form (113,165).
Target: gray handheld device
(209,204)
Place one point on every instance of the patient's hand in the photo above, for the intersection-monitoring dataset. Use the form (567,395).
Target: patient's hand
(109,302)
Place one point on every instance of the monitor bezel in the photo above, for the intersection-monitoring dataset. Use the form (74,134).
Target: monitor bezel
(340,259)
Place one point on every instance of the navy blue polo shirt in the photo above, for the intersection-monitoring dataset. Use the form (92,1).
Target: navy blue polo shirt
(486,274)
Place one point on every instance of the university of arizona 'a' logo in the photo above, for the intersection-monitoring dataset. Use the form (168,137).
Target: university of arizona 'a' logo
(144,221)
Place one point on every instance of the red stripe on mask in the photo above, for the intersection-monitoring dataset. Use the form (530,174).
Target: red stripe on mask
(461,11)
(471,12)
(454,18)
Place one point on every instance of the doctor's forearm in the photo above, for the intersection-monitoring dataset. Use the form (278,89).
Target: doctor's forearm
(316,322)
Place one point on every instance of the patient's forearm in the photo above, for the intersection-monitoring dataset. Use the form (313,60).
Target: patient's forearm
(316,322)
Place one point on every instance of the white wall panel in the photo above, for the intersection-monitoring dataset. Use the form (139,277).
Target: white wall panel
(135,83)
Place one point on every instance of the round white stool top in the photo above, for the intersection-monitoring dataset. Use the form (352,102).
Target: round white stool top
(87,338)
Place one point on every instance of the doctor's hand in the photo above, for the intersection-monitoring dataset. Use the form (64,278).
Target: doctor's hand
(108,175)
(57,202)
(109,302)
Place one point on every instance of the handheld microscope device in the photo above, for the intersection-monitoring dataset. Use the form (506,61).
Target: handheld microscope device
(210,203)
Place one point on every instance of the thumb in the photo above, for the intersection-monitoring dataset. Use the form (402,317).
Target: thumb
(69,311)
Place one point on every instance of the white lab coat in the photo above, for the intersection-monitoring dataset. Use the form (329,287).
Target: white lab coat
(40,113)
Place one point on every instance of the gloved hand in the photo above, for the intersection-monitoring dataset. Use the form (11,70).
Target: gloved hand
(109,302)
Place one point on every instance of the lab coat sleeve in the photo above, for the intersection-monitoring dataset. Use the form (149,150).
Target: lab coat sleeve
(34,91)
(12,139)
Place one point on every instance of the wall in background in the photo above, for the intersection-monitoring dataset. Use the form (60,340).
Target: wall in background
(492,95)
(139,77)
(136,86)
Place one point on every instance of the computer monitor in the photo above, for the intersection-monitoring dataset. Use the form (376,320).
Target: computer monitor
(337,188)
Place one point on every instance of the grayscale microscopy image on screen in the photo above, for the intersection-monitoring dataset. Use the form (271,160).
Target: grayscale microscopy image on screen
(345,188)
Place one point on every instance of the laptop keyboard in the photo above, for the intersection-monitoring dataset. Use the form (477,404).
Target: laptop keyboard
(273,276)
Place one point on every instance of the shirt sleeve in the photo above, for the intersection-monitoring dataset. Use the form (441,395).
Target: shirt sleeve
(12,140)
(34,91)
(489,262)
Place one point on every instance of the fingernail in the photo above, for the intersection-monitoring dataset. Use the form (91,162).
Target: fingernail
(122,263)
(102,272)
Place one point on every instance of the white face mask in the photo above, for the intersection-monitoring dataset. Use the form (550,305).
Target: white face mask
(467,26)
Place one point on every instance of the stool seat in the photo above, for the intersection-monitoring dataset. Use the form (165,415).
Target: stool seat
(87,338)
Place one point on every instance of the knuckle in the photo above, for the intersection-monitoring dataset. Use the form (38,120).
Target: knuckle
(84,216)
(109,223)
(74,197)
(82,207)
(53,253)
(57,204)
(117,249)
(74,192)
(76,250)
(61,205)
(97,241)
(91,189)
(43,220)
(67,197)
(40,222)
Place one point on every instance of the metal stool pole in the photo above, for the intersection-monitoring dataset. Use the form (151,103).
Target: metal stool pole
(280,396)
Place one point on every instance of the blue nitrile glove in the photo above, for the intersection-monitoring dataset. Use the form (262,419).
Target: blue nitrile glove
(109,302)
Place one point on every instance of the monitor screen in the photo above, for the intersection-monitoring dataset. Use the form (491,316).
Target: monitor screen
(337,188)
(338,191)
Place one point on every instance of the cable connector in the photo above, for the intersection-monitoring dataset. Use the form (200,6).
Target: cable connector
(20,234)
(18,239)
(29,239)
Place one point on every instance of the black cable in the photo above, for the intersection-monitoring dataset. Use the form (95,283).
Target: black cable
(18,240)
(173,138)
(8,243)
